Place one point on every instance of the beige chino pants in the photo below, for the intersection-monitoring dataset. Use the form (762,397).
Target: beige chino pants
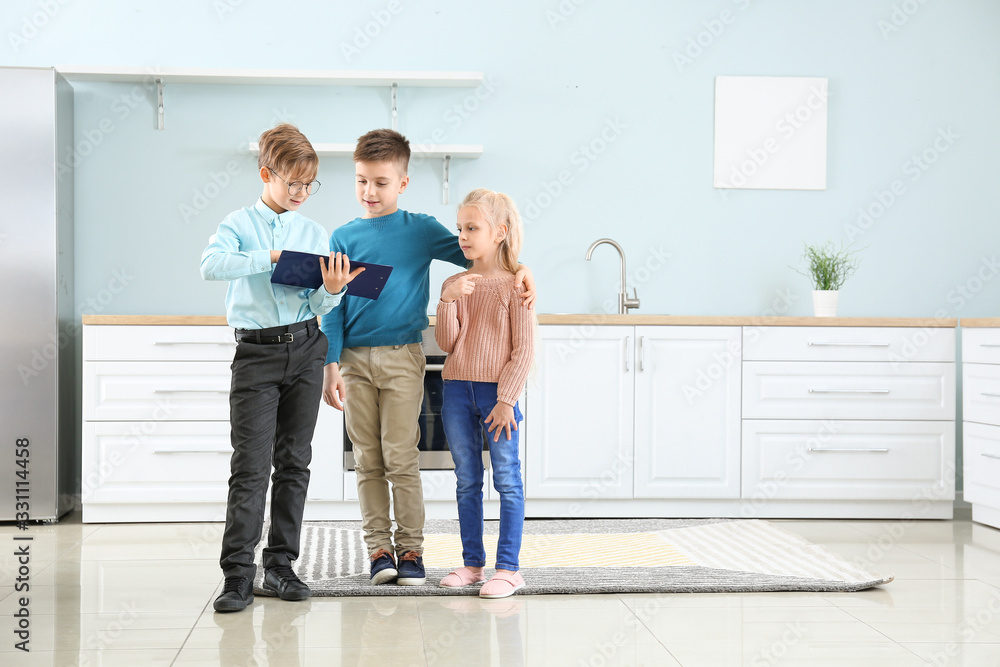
(385,390)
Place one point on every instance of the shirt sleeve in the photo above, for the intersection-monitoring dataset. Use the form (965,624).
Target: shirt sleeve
(322,302)
(222,259)
(446,325)
(522,339)
(443,244)
(332,323)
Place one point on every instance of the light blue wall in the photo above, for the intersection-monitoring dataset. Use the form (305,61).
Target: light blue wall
(557,85)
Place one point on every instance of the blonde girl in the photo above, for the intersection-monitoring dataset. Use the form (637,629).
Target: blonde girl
(488,334)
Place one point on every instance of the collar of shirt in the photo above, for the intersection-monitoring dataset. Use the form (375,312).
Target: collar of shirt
(269,216)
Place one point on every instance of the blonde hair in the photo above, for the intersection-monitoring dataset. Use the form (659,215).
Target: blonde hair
(499,210)
(284,148)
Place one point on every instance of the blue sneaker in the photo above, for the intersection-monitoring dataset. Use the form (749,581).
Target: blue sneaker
(411,569)
(383,567)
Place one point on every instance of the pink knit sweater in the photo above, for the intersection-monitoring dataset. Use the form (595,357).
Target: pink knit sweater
(488,336)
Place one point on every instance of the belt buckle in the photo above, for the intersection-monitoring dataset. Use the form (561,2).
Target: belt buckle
(286,337)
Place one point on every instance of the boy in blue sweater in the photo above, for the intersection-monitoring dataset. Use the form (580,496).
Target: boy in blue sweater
(375,353)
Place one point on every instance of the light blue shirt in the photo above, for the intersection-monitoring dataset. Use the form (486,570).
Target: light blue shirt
(240,252)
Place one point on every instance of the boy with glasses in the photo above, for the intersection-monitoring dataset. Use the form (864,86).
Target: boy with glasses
(376,357)
(277,376)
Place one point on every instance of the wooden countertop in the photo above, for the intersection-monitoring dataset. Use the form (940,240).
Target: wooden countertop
(579,319)
(973,322)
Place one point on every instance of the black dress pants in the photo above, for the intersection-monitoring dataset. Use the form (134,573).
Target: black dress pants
(273,404)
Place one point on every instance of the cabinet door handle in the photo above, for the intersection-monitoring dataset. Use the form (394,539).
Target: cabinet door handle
(434,367)
(190,391)
(877,450)
(989,345)
(989,395)
(848,391)
(193,342)
(628,350)
(641,354)
(991,456)
(845,344)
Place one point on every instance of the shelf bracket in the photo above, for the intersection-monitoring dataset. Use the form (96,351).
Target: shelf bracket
(159,103)
(444,180)
(395,107)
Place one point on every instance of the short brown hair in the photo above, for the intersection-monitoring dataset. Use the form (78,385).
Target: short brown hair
(384,146)
(285,149)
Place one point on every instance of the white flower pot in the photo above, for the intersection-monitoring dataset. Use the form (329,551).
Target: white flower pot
(825,303)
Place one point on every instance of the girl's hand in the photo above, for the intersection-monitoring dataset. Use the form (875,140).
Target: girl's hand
(463,286)
(524,275)
(337,273)
(501,419)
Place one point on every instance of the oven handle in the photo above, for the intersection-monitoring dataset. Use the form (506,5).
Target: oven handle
(434,367)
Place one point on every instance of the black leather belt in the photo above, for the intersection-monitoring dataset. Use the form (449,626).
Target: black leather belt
(285,334)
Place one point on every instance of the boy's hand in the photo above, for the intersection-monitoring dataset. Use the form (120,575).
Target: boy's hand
(461,287)
(275,254)
(334,388)
(524,275)
(337,272)
(501,419)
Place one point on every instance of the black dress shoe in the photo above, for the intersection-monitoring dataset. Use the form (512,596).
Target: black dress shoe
(283,582)
(236,594)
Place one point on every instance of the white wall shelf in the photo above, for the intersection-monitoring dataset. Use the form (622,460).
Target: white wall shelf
(270,77)
(160,76)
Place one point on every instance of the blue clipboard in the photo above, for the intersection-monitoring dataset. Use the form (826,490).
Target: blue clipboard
(302,269)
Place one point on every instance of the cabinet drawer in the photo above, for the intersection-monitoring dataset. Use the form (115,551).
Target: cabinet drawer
(981,454)
(144,462)
(981,345)
(158,343)
(845,460)
(156,391)
(896,345)
(981,393)
(848,390)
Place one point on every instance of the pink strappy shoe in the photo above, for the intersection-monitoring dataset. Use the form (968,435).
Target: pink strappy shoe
(503,584)
(463,576)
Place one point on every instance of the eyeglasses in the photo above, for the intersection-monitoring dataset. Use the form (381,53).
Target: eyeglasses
(295,187)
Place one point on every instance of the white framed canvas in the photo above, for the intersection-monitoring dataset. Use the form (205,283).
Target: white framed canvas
(770,132)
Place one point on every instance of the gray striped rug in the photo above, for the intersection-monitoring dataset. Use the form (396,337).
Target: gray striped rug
(598,556)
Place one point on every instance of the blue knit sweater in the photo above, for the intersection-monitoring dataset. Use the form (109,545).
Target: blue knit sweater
(407,242)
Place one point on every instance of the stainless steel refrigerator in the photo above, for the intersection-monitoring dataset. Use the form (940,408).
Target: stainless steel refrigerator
(38,335)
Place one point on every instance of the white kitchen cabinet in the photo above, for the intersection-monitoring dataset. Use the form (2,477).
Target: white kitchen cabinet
(849,415)
(635,412)
(981,425)
(579,427)
(687,412)
(156,443)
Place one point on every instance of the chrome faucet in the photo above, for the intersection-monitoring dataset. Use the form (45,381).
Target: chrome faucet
(624,302)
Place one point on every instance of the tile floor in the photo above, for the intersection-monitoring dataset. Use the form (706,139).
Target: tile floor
(141,594)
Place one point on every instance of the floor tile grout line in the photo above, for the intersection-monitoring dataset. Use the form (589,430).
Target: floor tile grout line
(196,621)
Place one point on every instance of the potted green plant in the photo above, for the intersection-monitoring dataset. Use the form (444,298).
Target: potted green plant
(828,267)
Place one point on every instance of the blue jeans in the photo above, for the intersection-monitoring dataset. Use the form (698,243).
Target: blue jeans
(465,406)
